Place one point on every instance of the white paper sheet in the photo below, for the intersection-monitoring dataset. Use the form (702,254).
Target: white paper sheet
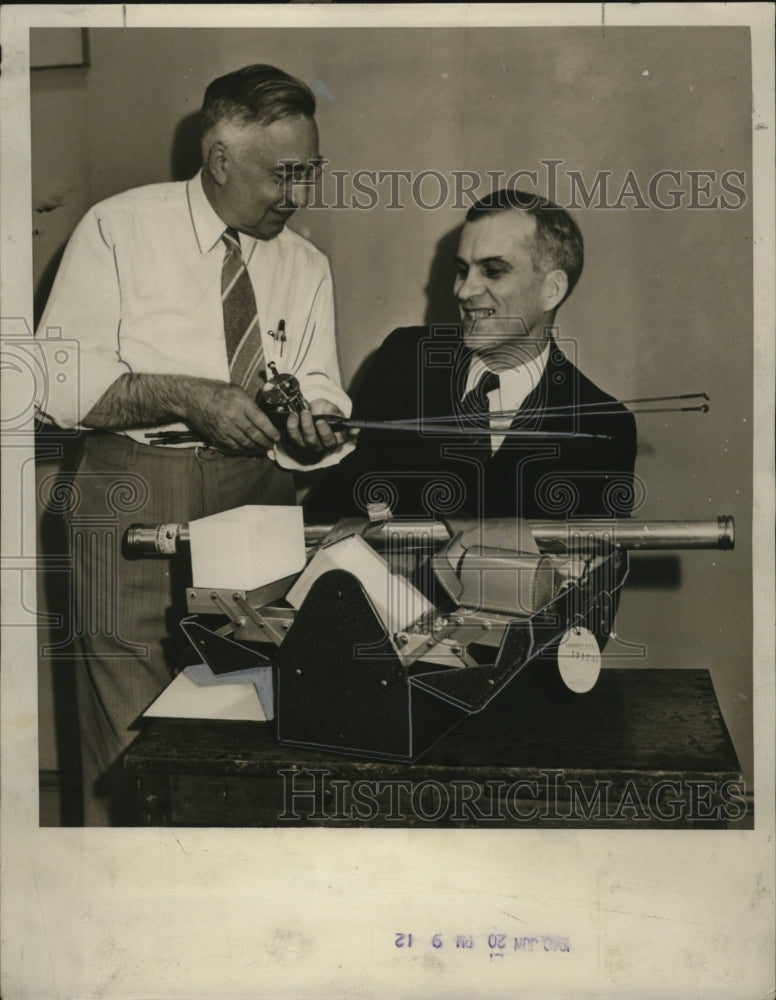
(184,698)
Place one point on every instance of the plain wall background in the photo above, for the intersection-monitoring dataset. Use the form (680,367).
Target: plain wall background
(664,305)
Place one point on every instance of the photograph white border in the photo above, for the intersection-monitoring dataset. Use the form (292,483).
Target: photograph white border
(298,913)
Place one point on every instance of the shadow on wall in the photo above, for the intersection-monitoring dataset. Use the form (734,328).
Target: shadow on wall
(185,156)
(441,306)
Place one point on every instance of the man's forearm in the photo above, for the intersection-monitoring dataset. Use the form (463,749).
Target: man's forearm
(221,413)
(144,401)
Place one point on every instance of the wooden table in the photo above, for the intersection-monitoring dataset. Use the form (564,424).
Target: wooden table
(644,748)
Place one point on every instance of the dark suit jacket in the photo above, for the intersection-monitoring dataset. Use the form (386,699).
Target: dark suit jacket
(419,374)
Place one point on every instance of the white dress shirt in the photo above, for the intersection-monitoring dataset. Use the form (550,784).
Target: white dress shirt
(515,385)
(139,290)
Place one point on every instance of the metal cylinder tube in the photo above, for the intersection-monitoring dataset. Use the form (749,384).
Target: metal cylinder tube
(589,535)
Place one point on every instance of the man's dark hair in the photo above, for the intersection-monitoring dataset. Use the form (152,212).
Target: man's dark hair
(261,94)
(558,243)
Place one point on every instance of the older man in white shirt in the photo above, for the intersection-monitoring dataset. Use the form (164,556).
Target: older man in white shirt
(179,296)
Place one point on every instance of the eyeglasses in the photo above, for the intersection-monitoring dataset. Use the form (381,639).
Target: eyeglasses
(292,172)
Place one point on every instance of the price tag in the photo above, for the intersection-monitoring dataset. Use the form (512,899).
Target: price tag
(579,659)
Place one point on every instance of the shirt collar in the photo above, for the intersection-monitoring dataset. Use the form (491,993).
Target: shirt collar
(532,370)
(208,227)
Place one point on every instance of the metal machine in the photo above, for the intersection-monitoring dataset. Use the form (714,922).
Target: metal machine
(381,635)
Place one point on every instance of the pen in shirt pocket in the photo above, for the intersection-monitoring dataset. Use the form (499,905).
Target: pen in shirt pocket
(279,337)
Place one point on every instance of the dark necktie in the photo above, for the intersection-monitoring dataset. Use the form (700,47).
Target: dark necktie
(241,321)
(476,400)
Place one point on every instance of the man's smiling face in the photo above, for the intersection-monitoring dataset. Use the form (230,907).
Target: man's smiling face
(504,300)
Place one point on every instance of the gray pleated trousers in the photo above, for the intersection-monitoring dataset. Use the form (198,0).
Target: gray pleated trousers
(126,610)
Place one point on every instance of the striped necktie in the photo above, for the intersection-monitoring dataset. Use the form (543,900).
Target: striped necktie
(241,321)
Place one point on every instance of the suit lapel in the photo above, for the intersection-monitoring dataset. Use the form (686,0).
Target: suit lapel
(443,384)
(556,388)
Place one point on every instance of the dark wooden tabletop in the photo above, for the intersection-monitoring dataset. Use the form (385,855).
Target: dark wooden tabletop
(636,725)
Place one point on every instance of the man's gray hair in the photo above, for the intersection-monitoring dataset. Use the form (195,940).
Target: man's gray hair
(260,94)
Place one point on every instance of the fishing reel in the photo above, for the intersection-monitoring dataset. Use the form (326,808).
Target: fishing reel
(279,396)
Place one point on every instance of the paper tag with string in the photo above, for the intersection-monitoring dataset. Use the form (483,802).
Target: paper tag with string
(579,659)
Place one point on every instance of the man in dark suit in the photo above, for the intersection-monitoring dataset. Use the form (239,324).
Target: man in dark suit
(530,435)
